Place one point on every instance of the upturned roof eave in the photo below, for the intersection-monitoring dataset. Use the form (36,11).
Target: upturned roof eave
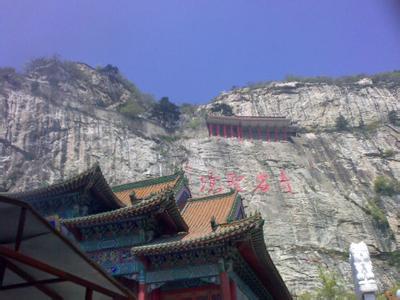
(146,182)
(226,232)
(161,203)
(91,179)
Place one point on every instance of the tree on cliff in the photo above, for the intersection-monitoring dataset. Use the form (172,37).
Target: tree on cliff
(166,112)
(393,117)
(341,123)
(222,108)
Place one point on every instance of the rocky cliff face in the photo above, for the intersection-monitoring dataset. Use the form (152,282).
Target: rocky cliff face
(315,191)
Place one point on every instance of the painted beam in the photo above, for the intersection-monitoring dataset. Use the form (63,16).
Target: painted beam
(188,272)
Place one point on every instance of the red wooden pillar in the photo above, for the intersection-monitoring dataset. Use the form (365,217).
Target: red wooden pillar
(156,294)
(231,131)
(233,290)
(224,131)
(259,133)
(142,291)
(225,286)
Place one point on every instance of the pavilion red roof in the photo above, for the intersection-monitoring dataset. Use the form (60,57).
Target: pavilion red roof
(145,188)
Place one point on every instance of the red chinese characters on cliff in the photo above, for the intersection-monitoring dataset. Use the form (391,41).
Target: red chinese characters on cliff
(285,182)
(212,184)
(234,180)
(262,185)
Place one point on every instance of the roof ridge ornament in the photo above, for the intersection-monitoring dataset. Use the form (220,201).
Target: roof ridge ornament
(213,223)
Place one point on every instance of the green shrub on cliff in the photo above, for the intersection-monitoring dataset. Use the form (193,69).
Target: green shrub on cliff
(377,213)
(386,186)
(341,123)
(332,288)
(222,108)
(166,112)
(131,109)
(393,118)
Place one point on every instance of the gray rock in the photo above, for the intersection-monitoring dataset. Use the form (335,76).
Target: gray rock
(313,191)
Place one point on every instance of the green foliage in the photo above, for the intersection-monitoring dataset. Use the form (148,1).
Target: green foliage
(386,186)
(394,259)
(138,103)
(222,108)
(56,70)
(393,118)
(113,73)
(387,153)
(169,138)
(373,126)
(380,78)
(188,109)
(194,123)
(377,213)
(166,112)
(387,77)
(341,123)
(35,88)
(332,288)
(10,76)
(316,79)
(131,109)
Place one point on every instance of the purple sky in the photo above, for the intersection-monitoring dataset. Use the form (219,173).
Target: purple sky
(190,50)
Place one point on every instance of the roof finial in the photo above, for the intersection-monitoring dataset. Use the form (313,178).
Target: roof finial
(214,224)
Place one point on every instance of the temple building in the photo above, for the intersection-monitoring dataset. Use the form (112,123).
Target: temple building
(159,242)
(251,128)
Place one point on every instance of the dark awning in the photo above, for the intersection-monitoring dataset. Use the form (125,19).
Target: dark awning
(37,262)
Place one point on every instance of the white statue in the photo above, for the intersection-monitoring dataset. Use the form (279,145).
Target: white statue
(363,277)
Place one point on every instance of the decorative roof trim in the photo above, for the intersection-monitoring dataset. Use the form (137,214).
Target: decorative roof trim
(260,248)
(233,230)
(164,202)
(236,204)
(92,179)
(213,197)
(146,182)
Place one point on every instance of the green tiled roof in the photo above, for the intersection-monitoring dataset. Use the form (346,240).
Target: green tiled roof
(223,233)
(164,202)
(92,179)
(146,182)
